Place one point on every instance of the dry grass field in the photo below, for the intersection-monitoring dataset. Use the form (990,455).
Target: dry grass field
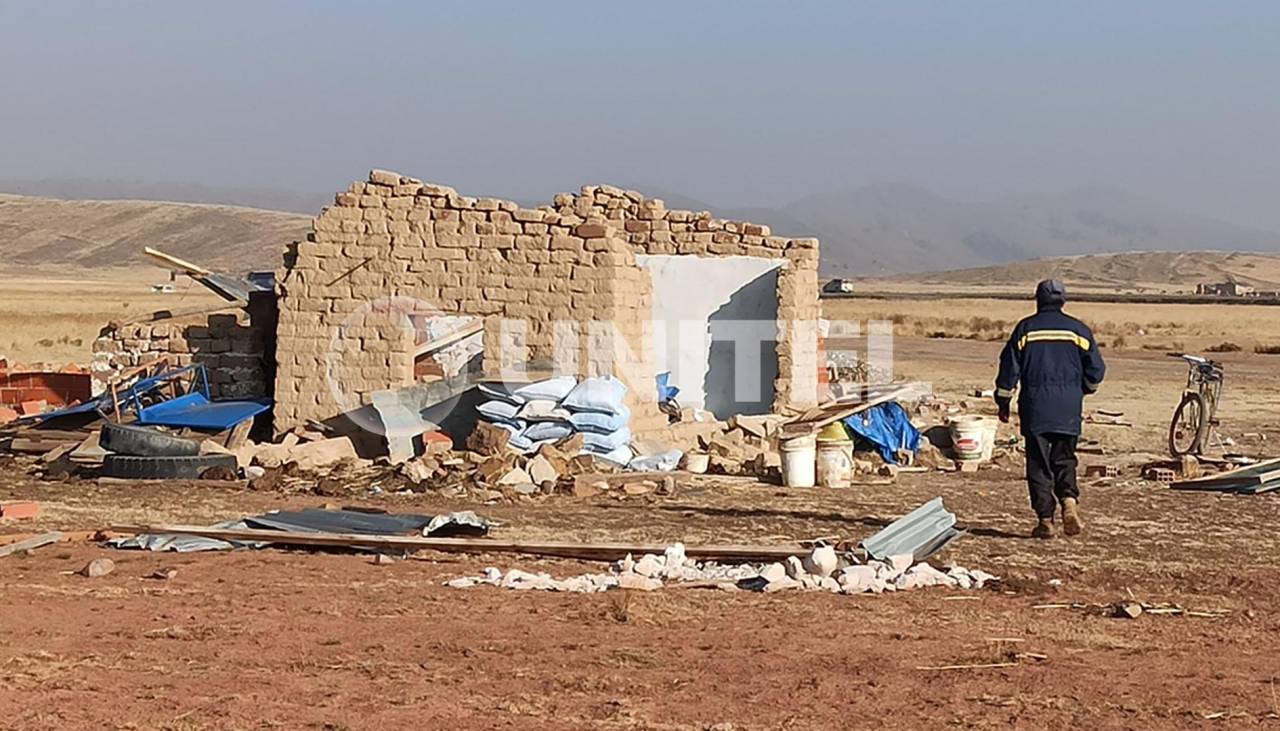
(56,320)
(1156,327)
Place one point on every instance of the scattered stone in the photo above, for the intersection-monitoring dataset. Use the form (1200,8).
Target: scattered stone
(649,565)
(98,567)
(638,582)
(639,488)
(488,439)
(325,453)
(541,469)
(651,572)
(382,559)
(516,476)
(821,562)
(163,574)
(1128,610)
(773,572)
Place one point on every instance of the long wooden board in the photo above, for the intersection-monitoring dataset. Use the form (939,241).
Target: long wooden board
(1254,474)
(588,551)
(28,544)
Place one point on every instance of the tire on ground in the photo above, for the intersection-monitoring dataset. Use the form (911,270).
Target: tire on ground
(165,468)
(141,441)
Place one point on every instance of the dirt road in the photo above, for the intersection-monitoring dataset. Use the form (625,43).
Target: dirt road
(291,639)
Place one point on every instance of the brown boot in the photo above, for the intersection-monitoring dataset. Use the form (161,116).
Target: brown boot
(1071,523)
(1043,529)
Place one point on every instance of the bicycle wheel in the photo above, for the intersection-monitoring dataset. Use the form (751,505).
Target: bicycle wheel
(1190,425)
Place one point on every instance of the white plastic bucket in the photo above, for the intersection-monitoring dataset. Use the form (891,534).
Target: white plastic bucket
(972,437)
(799,462)
(835,462)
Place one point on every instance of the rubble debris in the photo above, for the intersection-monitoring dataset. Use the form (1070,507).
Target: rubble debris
(1102,470)
(817,571)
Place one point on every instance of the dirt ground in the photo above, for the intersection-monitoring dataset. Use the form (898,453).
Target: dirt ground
(307,640)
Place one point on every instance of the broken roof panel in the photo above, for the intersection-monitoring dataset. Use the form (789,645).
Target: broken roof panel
(921,533)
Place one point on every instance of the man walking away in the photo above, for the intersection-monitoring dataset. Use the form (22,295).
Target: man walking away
(1055,358)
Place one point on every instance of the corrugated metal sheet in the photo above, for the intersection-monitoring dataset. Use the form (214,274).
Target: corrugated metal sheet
(921,533)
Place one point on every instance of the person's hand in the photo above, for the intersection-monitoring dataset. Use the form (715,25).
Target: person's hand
(1004,412)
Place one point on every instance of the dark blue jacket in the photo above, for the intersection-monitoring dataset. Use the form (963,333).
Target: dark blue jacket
(1055,358)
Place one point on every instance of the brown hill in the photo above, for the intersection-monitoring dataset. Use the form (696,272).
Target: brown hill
(46,234)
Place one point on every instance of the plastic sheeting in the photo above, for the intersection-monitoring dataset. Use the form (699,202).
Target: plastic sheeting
(888,427)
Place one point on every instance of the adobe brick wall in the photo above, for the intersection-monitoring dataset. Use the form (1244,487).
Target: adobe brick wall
(231,348)
(392,244)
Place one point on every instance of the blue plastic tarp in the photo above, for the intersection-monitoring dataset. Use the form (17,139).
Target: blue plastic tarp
(888,427)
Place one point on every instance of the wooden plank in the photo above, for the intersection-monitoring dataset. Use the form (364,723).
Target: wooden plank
(446,340)
(832,414)
(176,263)
(29,544)
(588,551)
(1254,474)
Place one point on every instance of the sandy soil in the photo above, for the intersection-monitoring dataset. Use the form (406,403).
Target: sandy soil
(291,639)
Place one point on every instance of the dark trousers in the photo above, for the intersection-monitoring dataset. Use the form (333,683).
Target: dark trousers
(1051,471)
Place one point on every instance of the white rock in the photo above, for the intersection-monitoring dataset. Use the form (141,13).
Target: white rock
(465,582)
(795,568)
(773,572)
(626,565)
(826,583)
(649,565)
(674,560)
(821,562)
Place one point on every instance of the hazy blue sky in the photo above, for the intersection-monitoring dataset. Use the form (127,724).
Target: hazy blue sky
(740,103)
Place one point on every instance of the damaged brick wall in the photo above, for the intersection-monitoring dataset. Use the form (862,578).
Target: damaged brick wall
(393,245)
(230,347)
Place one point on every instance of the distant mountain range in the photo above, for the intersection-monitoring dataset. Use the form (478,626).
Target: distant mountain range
(873,230)
(892,228)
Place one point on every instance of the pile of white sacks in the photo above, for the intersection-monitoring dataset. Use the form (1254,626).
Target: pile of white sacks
(548,411)
(821,570)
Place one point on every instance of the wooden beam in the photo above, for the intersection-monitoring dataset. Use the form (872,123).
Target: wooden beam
(587,551)
(175,263)
(445,340)
(28,544)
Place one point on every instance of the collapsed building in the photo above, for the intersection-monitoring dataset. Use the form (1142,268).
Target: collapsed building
(403,282)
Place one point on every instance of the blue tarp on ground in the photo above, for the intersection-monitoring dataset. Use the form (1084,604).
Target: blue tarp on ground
(888,427)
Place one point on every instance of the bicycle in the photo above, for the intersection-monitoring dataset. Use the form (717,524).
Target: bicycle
(1197,414)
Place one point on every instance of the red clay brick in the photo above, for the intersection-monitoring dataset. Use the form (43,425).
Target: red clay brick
(31,408)
(7,415)
(20,510)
